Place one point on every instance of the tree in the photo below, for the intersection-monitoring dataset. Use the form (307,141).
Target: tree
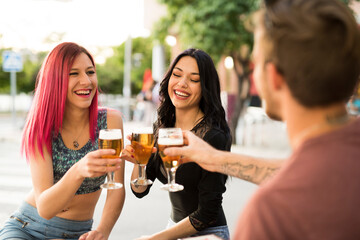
(111,74)
(220,28)
(217,27)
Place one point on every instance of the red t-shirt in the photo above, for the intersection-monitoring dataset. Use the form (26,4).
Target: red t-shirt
(316,195)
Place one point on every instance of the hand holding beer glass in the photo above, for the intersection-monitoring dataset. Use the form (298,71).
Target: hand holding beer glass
(142,141)
(170,137)
(111,139)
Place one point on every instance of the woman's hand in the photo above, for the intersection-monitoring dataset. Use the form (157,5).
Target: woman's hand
(93,165)
(96,235)
(128,153)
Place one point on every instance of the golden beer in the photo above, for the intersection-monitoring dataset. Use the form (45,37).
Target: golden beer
(142,144)
(170,137)
(111,139)
(169,161)
(111,144)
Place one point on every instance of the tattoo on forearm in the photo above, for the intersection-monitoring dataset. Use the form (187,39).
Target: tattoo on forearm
(249,172)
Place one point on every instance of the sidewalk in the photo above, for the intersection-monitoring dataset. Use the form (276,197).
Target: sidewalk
(139,216)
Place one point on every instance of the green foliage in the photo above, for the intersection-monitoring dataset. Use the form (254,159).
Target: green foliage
(217,26)
(27,78)
(111,74)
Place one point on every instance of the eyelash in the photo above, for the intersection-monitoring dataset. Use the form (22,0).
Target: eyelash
(195,81)
(75,73)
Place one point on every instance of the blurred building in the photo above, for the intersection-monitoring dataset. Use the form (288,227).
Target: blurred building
(153,11)
(356,7)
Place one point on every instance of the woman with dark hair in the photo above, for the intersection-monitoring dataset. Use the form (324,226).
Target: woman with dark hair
(60,143)
(190,100)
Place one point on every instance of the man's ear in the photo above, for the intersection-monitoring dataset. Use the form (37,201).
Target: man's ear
(275,79)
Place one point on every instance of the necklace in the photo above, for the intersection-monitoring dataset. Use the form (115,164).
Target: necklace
(197,119)
(75,142)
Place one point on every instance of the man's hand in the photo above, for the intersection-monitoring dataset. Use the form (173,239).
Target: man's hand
(195,150)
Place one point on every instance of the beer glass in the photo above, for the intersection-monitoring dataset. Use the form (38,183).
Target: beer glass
(111,139)
(170,137)
(142,141)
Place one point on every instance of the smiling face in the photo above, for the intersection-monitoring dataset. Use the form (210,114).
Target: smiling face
(82,82)
(184,87)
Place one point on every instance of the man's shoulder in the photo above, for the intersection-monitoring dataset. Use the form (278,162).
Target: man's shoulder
(266,216)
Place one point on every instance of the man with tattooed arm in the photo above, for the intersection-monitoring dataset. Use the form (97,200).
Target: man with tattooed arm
(307,58)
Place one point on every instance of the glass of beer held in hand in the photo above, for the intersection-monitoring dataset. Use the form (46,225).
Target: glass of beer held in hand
(111,139)
(170,137)
(142,141)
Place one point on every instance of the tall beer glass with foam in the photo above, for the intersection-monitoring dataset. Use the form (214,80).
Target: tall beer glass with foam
(170,137)
(111,139)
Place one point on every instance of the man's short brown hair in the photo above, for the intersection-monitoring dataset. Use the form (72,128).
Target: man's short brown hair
(315,44)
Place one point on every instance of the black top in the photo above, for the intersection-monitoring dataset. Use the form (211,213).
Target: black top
(201,198)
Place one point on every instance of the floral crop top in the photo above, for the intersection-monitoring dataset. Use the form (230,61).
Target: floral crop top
(64,158)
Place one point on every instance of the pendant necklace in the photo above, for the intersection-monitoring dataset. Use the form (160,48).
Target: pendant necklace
(75,142)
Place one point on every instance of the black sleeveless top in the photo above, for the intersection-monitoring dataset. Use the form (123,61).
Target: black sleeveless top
(201,198)
(64,158)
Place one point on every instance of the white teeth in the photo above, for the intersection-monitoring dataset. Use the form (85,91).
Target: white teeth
(181,94)
(83,92)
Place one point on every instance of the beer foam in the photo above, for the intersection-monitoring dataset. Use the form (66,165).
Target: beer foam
(170,141)
(109,134)
(146,130)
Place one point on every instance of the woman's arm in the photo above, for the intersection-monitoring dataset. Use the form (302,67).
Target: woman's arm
(115,198)
(52,198)
(179,230)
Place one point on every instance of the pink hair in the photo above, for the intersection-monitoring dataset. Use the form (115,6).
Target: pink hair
(45,117)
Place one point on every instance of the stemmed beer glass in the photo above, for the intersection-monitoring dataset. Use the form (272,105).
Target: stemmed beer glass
(142,141)
(170,137)
(111,139)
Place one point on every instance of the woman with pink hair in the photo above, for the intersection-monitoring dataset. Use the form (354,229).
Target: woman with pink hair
(60,142)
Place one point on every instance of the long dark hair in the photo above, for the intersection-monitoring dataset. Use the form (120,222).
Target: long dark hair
(210,103)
